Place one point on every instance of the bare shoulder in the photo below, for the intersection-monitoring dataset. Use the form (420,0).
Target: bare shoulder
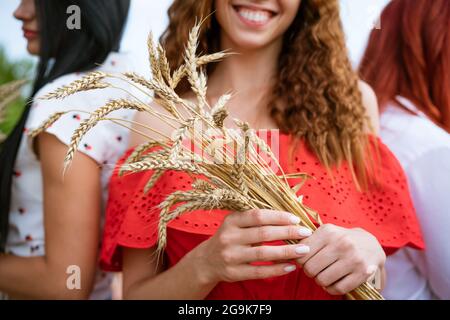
(151,126)
(370,102)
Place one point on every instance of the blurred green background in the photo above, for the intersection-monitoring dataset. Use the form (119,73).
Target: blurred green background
(9,71)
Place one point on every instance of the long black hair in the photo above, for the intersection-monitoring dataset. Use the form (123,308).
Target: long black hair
(62,51)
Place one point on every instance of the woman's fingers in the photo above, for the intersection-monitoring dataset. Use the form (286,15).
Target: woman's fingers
(250,272)
(346,284)
(321,238)
(333,274)
(255,218)
(273,253)
(274,233)
(322,260)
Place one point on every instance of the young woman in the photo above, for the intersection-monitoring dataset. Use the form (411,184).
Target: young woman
(291,72)
(408,64)
(50,226)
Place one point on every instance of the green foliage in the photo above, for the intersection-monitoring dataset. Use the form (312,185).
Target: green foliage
(10,71)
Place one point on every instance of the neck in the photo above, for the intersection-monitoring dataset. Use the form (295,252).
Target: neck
(245,71)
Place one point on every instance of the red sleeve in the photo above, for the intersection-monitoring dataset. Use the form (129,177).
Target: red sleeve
(387,209)
(128,208)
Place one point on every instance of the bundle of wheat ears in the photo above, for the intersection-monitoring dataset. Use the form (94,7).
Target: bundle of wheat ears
(8,93)
(226,179)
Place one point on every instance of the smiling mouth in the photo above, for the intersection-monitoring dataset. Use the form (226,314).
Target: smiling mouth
(254,16)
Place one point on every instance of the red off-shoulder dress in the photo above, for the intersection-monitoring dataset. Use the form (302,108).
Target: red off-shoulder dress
(386,211)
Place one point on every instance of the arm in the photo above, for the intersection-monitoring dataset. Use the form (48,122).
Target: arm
(71,213)
(429,180)
(143,277)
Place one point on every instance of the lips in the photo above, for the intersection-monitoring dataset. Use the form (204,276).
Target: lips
(30,34)
(254,16)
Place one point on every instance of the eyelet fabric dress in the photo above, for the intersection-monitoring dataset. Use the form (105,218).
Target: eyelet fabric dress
(386,211)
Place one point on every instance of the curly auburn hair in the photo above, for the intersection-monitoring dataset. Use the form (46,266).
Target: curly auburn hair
(316,96)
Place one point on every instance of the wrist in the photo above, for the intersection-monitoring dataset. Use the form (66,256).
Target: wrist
(199,268)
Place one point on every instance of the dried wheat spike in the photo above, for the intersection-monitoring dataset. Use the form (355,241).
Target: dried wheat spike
(179,135)
(152,164)
(210,58)
(137,153)
(196,200)
(8,93)
(152,181)
(10,88)
(240,164)
(181,72)
(140,80)
(160,89)
(166,216)
(6,101)
(91,81)
(164,65)
(202,185)
(219,112)
(115,105)
(47,124)
(153,58)
(95,117)
(196,78)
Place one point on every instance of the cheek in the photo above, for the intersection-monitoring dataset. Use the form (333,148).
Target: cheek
(290,10)
(221,13)
(290,5)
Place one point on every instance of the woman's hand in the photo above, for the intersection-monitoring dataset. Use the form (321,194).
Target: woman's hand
(227,256)
(341,259)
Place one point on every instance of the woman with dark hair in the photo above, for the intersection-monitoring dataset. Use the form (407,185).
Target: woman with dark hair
(292,74)
(407,62)
(50,225)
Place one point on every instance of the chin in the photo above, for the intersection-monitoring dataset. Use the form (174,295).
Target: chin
(33,48)
(253,42)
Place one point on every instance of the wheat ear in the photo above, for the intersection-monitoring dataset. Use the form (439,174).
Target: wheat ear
(95,117)
(47,124)
(91,81)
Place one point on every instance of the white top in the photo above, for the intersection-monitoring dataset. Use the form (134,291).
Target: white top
(423,149)
(105,144)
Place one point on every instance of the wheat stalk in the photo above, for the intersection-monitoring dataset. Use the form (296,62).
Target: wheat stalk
(241,182)
(92,121)
(47,124)
(91,81)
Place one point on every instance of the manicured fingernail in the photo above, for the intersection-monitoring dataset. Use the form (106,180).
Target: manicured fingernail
(302,250)
(304,232)
(294,219)
(290,268)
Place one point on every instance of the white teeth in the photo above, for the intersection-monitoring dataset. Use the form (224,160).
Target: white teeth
(254,16)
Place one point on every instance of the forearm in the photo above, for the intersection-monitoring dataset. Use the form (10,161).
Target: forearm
(35,278)
(184,281)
